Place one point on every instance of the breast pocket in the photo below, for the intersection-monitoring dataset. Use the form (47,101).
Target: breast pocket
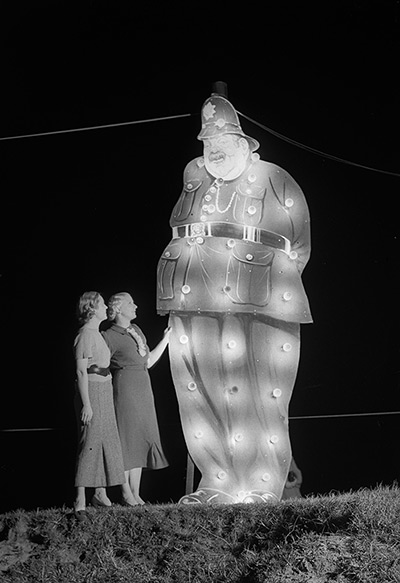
(166,270)
(248,278)
(184,205)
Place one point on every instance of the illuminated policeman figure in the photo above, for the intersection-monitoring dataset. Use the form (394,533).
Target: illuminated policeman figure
(230,280)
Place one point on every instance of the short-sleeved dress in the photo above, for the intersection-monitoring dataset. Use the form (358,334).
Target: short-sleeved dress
(134,401)
(99,458)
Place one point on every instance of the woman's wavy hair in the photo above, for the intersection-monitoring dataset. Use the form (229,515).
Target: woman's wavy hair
(87,305)
(114,303)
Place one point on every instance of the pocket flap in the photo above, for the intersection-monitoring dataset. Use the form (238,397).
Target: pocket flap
(172,252)
(251,255)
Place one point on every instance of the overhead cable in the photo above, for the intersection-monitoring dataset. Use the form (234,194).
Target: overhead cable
(315,151)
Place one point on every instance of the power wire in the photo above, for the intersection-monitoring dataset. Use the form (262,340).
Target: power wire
(314,150)
(102,127)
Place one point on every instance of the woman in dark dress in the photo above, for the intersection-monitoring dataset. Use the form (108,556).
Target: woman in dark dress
(99,460)
(133,396)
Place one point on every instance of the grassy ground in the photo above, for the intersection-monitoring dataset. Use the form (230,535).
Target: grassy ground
(338,538)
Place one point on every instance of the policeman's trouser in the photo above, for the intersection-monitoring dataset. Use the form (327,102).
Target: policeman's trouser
(234,376)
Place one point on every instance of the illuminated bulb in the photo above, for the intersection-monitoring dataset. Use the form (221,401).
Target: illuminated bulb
(276,393)
(192,386)
(198,434)
(266,477)
(287,347)
(289,202)
(221,475)
(293,255)
(232,343)
(274,439)
(185,289)
(287,296)
(183,339)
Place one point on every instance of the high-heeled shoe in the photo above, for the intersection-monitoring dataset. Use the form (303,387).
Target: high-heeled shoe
(97,503)
(126,503)
(80,515)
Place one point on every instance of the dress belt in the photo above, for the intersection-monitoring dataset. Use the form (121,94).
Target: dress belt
(94,369)
(234,231)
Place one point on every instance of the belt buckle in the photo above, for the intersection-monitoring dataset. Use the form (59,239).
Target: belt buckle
(197,230)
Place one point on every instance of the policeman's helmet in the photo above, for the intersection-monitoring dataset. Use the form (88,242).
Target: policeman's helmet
(218,117)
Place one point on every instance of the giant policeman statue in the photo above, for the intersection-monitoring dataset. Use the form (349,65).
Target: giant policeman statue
(230,280)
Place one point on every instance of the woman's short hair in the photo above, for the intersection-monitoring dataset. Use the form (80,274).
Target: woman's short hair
(114,303)
(87,305)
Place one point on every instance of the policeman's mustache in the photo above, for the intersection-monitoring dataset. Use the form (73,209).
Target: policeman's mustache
(217,156)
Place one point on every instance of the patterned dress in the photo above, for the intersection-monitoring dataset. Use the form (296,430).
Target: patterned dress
(99,459)
(133,399)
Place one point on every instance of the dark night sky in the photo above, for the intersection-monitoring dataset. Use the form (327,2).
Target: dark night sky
(90,210)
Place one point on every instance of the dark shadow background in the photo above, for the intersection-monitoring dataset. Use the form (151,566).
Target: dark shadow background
(90,210)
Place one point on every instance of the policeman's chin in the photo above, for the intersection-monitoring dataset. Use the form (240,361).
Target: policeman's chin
(216,170)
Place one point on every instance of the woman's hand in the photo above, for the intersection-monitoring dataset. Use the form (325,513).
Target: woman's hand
(86,414)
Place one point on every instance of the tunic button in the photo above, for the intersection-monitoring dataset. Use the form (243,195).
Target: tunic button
(203,218)
(167,254)
(293,255)
(266,477)
(230,243)
(287,296)
(189,186)
(207,197)
(213,190)
(199,240)
(238,437)
(198,434)
(252,178)
(249,257)
(274,439)
(232,344)
(276,393)
(252,210)
(192,386)
(248,190)
(186,289)
(287,347)
(289,202)
(204,207)
(211,208)
(183,339)
(221,475)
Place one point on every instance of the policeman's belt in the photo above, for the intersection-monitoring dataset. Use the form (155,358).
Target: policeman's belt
(234,231)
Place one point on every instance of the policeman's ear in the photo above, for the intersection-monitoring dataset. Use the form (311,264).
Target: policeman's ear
(244,144)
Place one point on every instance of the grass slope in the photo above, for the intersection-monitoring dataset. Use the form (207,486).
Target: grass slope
(345,537)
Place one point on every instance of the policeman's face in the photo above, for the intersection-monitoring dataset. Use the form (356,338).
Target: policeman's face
(226,156)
